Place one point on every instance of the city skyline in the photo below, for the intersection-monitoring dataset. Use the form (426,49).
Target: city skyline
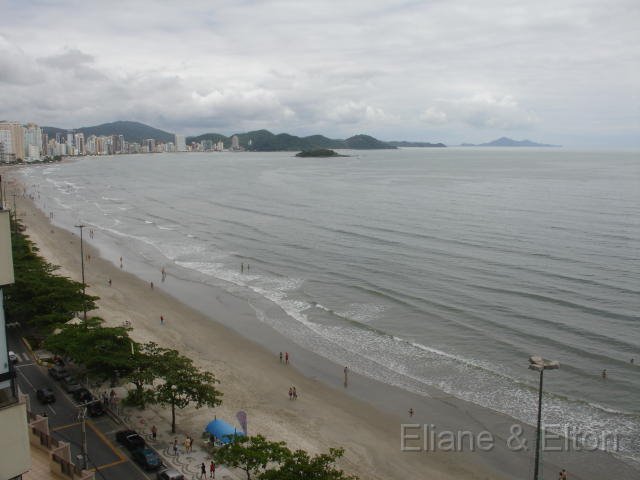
(433,71)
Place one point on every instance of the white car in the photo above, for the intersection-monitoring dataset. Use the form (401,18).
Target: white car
(13,358)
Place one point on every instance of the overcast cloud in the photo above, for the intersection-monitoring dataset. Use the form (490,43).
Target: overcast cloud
(560,72)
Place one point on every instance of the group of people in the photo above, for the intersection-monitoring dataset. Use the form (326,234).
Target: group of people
(212,470)
(293,393)
(285,358)
(110,400)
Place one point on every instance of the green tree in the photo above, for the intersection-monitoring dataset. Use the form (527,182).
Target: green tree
(104,351)
(146,365)
(183,384)
(251,454)
(38,297)
(300,466)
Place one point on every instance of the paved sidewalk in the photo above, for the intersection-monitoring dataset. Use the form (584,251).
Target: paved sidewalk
(188,463)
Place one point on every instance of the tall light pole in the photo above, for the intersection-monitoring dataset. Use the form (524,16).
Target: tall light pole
(84,299)
(83,429)
(540,365)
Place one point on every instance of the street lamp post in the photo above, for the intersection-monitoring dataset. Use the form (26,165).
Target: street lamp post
(540,365)
(174,389)
(84,299)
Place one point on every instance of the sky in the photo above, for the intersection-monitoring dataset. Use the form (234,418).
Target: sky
(452,71)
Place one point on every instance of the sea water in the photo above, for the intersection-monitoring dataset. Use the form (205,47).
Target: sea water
(421,268)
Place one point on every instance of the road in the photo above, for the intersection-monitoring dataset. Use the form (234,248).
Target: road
(105,456)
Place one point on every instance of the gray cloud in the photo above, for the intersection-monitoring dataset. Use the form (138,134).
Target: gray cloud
(437,70)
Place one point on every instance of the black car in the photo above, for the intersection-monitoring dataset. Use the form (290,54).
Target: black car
(82,395)
(95,409)
(130,440)
(70,384)
(45,395)
(147,458)
(58,372)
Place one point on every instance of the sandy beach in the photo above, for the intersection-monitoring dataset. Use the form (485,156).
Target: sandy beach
(364,418)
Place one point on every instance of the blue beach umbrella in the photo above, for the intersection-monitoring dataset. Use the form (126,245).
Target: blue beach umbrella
(223,431)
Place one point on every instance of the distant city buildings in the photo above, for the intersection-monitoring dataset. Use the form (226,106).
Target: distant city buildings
(28,143)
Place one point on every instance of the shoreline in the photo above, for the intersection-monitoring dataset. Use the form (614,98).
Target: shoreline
(364,418)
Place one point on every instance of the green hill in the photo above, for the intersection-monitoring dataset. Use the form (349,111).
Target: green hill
(265,141)
(132,131)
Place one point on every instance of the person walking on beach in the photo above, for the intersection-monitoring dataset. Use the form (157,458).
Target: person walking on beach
(411,412)
(212,470)
(281,357)
(151,285)
(203,471)
(295,393)
(346,371)
(290,393)
(241,267)
(186,445)
(604,374)
(164,274)
(154,432)
(286,358)
(161,320)
(120,262)
(109,282)
(175,447)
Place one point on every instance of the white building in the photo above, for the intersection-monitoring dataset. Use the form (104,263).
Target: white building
(32,142)
(181,145)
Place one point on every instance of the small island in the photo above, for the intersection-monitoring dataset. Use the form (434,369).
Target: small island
(321,152)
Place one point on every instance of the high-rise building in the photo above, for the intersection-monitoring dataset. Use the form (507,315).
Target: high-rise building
(32,141)
(70,138)
(78,139)
(235,143)
(6,147)
(120,144)
(181,145)
(151,145)
(16,132)
(45,145)
(15,456)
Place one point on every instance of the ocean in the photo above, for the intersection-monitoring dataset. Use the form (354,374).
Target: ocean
(421,268)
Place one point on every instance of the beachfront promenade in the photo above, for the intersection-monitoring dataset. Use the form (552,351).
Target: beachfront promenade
(187,463)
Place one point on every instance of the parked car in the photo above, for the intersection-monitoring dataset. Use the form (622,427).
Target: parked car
(58,372)
(45,395)
(170,474)
(130,440)
(147,458)
(82,395)
(95,409)
(70,384)
(13,358)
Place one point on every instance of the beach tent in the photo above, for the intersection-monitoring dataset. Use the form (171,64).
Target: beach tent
(223,431)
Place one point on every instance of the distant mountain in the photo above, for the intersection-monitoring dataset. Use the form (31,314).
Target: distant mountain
(257,141)
(398,143)
(365,142)
(132,131)
(265,141)
(508,142)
